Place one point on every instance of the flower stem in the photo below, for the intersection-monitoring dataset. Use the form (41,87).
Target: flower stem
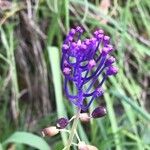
(73,130)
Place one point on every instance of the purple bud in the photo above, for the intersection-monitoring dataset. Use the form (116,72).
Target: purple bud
(98,92)
(99,112)
(110,61)
(93,40)
(65,47)
(66,71)
(83,46)
(105,51)
(74,44)
(62,123)
(66,64)
(96,33)
(91,64)
(101,31)
(112,70)
(79,43)
(106,39)
(110,47)
(70,38)
(87,42)
(72,31)
(100,36)
(79,29)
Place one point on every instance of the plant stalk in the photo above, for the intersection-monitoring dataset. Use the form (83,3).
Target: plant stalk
(73,130)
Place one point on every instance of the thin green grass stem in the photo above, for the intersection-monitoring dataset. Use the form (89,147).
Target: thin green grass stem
(73,130)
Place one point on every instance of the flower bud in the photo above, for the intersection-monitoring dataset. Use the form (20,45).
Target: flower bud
(105,51)
(65,47)
(84,117)
(72,31)
(112,70)
(98,92)
(110,47)
(91,64)
(82,146)
(99,112)
(62,123)
(100,36)
(106,39)
(70,38)
(109,61)
(66,71)
(50,131)
(91,147)
(79,29)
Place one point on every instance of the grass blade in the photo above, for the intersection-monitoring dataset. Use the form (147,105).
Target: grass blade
(28,139)
(55,67)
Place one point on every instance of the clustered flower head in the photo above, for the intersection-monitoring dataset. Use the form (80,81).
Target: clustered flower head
(85,62)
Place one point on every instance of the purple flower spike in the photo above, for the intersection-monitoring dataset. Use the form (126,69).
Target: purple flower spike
(99,112)
(62,123)
(83,61)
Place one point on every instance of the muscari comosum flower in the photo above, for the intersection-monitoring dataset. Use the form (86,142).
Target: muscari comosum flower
(84,62)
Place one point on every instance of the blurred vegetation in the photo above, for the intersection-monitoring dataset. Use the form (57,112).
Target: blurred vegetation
(31,93)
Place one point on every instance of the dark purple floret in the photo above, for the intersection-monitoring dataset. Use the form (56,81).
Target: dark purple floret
(62,123)
(84,60)
(99,112)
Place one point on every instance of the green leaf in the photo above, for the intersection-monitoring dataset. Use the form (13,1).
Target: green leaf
(28,139)
(54,57)
(1,148)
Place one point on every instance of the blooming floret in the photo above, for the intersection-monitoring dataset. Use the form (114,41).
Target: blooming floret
(83,62)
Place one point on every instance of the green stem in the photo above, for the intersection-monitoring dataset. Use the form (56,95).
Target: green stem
(73,130)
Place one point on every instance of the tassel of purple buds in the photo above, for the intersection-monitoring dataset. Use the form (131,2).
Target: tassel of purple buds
(83,61)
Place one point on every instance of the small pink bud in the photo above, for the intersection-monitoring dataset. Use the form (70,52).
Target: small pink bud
(110,47)
(66,71)
(82,146)
(106,38)
(91,64)
(83,46)
(101,31)
(91,147)
(50,131)
(84,117)
(65,47)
